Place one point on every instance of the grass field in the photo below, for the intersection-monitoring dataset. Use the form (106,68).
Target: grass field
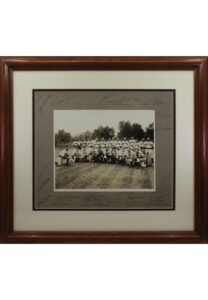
(102,176)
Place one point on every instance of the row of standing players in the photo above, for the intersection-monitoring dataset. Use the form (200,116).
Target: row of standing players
(131,152)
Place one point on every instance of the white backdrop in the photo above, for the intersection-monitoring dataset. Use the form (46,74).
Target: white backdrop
(89,27)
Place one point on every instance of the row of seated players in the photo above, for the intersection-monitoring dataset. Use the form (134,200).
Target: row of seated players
(131,153)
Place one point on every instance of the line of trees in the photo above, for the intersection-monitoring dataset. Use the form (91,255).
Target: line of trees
(135,130)
(126,130)
(62,137)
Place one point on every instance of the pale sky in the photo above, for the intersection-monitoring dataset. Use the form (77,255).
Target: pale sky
(79,121)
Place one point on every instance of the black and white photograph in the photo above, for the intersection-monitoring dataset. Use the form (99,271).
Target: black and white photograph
(104,150)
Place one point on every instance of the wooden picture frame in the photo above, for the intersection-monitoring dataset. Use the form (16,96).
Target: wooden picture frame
(198,64)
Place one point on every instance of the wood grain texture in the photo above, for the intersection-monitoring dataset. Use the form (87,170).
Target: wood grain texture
(197,64)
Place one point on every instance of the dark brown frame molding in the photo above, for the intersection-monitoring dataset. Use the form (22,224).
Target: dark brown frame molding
(197,64)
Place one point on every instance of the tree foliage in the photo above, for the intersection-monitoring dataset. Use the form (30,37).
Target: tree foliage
(135,130)
(149,132)
(62,137)
(103,132)
(126,130)
(83,136)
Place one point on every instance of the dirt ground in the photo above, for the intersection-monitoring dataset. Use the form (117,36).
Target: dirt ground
(103,176)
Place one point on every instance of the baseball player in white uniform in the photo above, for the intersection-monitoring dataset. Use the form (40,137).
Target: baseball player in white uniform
(149,152)
(64,157)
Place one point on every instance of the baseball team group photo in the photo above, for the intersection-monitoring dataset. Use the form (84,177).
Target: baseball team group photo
(104,150)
